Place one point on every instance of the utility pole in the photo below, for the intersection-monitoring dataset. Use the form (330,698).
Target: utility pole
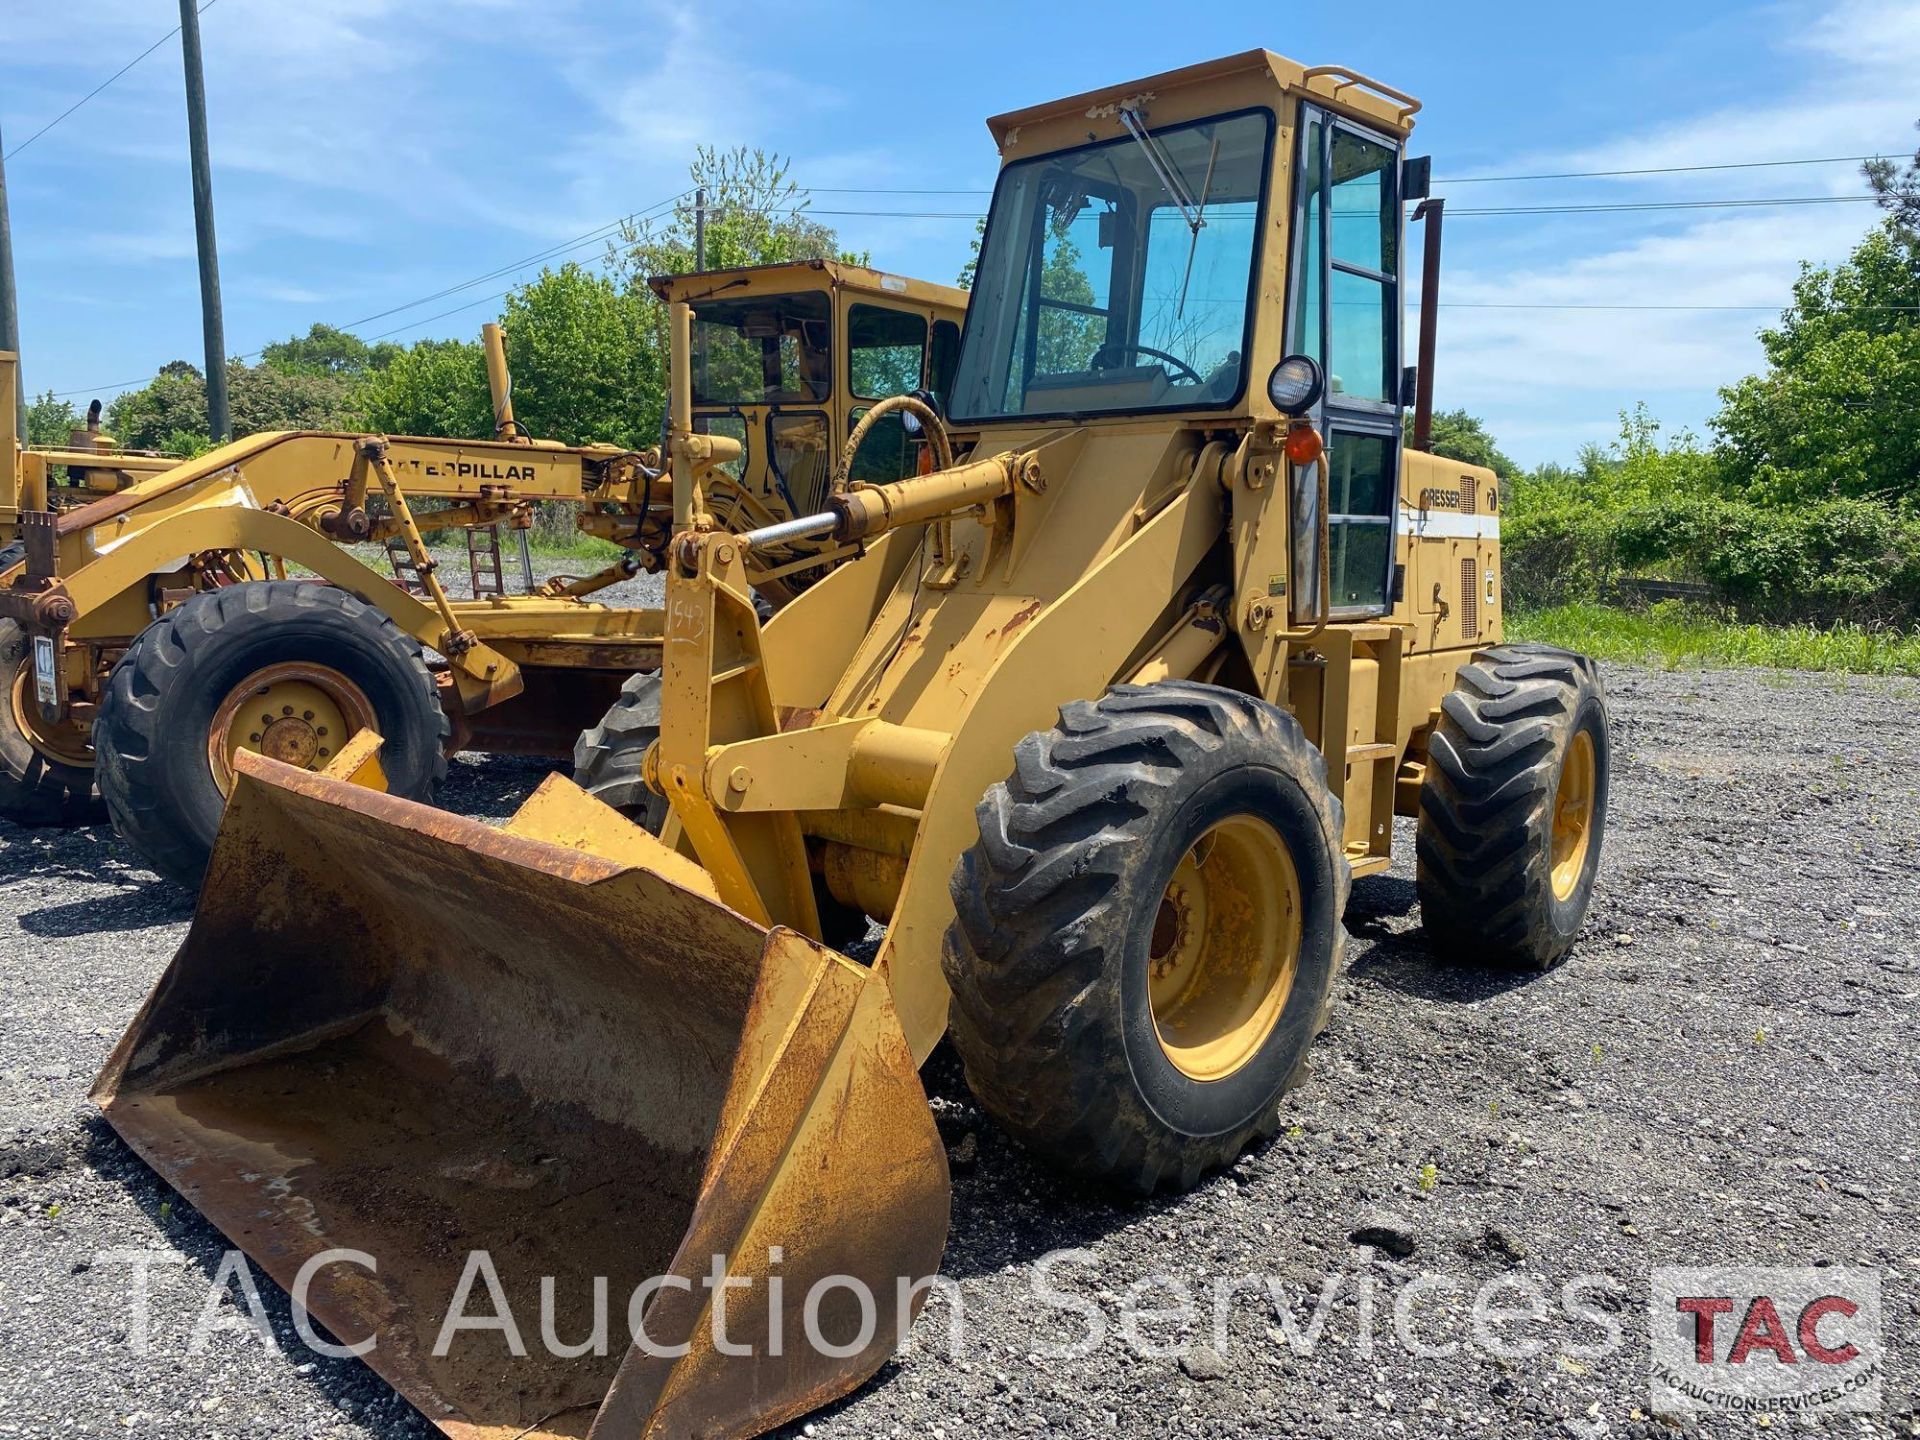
(9,304)
(218,427)
(699,227)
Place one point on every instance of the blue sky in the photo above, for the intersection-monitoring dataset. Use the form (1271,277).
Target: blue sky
(370,152)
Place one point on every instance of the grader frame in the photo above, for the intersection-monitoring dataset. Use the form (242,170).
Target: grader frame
(129,537)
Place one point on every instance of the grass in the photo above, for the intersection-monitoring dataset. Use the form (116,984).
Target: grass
(574,547)
(1674,637)
(555,534)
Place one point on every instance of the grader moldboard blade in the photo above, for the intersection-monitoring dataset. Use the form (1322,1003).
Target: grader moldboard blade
(396,1031)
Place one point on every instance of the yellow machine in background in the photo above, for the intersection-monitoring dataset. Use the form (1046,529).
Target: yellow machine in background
(178,580)
(1097,726)
(35,477)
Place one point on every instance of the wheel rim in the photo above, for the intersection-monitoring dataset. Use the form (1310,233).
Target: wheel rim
(297,713)
(1225,947)
(1573,815)
(65,744)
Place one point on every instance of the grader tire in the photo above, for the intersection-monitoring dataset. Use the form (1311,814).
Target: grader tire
(1514,807)
(1148,931)
(608,757)
(36,788)
(154,734)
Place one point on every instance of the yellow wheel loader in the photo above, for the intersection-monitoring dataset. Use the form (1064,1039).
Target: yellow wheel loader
(160,606)
(1097,727)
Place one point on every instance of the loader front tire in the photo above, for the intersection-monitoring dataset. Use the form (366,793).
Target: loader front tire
(1513,808)
(45,779)
(1147,932)
(607,759)
(319,663)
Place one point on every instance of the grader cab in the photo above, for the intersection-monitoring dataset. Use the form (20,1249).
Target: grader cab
(1096,729)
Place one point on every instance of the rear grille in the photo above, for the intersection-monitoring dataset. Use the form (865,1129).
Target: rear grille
(1469,600)
(1469,487)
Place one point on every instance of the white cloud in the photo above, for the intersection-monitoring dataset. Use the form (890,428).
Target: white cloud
(1548,380)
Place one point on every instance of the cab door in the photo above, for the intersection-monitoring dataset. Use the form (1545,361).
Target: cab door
(1345,313)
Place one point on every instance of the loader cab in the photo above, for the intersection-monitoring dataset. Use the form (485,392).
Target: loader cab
(787,358)
(1156,250)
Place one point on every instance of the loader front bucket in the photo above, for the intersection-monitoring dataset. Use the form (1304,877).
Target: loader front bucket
(431,1072)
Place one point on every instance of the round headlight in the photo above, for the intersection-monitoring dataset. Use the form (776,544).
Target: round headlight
(1296,385)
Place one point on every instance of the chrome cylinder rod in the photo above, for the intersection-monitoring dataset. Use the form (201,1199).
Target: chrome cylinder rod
(804,527)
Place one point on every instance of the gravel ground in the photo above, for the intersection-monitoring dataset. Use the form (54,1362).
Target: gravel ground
(1724,1070)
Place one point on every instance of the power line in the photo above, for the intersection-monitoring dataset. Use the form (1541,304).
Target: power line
(1658,170)
(1544,305)
(103,85)
(1652,205)
(1610,207)
(567,247)
(1438,180)
(552,252)
(413,324)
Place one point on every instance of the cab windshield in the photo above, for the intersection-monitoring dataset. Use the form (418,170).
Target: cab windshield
(1118,276)
(766,350)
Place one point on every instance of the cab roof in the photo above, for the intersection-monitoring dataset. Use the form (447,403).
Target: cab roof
(810,275)
(1236,78)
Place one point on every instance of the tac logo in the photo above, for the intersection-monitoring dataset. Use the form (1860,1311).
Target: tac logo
(1754,1340)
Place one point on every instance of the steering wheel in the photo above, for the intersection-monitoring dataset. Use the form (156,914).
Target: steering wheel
(1118,350)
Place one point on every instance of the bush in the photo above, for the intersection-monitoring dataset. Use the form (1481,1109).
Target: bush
(1839,561)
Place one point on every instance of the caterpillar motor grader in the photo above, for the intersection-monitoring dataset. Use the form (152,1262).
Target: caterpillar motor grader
(1098,727)
(168,637)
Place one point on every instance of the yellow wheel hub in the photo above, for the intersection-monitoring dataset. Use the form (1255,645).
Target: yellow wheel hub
(67,744)
(1573,815)
(296,713)
(1225,948)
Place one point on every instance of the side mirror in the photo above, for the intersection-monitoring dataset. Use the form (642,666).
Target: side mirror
(1409,386)
(1416,178)
(1296,385)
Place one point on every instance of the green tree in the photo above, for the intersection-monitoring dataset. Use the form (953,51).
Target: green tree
(173,402)
(328,350)
(169,413)
(261,398)
(50,422)
(1898,190)
(1837,410)
(972,268)
(433,387)
(586,365)
(1463,437)
(756,215)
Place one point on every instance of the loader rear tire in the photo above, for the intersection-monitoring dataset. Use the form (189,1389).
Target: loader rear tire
(1147,932)
(607,759)
(186,677)
(1513,808)
(39,785)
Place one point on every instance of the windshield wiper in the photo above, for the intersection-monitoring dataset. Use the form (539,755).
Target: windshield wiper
(1163,167)
(1191,210)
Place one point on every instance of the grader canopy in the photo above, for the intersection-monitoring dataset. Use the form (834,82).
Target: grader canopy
(1097,726)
